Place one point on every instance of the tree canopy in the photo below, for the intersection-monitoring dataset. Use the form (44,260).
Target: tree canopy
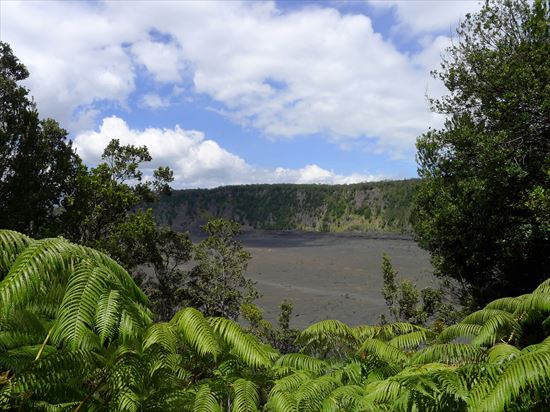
(38,166)
(481,207)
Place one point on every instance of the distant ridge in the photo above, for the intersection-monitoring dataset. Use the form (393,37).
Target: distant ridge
(375,206)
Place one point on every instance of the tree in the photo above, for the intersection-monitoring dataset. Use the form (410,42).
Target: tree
(217,285)
(37,163)
(481,205)
(406,303)
(107,194)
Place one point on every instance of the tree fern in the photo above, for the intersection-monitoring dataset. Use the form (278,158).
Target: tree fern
(11,244)
(245,396)
(196,331)
(205,401)
(530,370)
(383,350)
(300,361)
(245,346)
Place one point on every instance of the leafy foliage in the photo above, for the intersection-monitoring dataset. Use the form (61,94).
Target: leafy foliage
(217,284)
(38,166)
(378,206)
(99,349)
(482,203)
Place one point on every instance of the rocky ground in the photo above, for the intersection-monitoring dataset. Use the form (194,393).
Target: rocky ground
(328,275)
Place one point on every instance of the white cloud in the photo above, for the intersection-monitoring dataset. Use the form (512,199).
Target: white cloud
(197,161)
(421,16)
(163,60)
(74,53)
(291,73)
(315,174)
(154,101)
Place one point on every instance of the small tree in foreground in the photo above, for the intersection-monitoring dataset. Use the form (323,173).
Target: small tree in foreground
(217,285)
(406,303)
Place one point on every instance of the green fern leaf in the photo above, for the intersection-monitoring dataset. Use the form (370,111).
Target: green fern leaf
(383,351)
(530,370)
(196,331)
(450,353)
(246,396)
(302,362)
(245,346)
(205,401)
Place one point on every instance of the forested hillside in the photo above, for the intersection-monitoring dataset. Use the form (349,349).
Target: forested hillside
(380,206)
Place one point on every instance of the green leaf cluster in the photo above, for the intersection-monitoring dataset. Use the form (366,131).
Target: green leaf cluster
(76,334)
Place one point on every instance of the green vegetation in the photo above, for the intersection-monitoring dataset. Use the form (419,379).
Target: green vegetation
(406,303)
(483,201)
(76,334)
(216,285)
(379,206)
(38,167)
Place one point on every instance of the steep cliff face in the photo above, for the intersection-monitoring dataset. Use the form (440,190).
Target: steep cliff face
(380,206)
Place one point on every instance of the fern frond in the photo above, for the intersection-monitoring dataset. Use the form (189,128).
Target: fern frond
(529,370)
(41,264)
(245,346)
(344,398)
(11,244)
(77,312)
(56,372)
(108,313)
(196,331)
(507,304)
(363,332)
(534,302)
(467,330)
(160,334)
(291,382)
(311,394)
(205,401)
(450,353)
(246,396)
(302,362)
(410,340)
(383,351)
(390,330)
(281,402)
(19,359)
(326,330)
(502,353)
(383,391)
(119,276)
(500,324)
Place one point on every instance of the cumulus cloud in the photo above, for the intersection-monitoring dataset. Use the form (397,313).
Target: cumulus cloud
(162,60)
(299,72)
(421,16)
(197,161)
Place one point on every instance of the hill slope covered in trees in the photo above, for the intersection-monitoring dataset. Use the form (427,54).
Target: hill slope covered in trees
(379,206)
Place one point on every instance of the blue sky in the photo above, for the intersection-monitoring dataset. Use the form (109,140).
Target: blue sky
(240,92)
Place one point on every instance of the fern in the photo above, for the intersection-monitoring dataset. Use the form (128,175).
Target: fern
(196,331)
(531,370)
(302,362)
(205,401)
(383,351)
(245,346)
(246,396)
